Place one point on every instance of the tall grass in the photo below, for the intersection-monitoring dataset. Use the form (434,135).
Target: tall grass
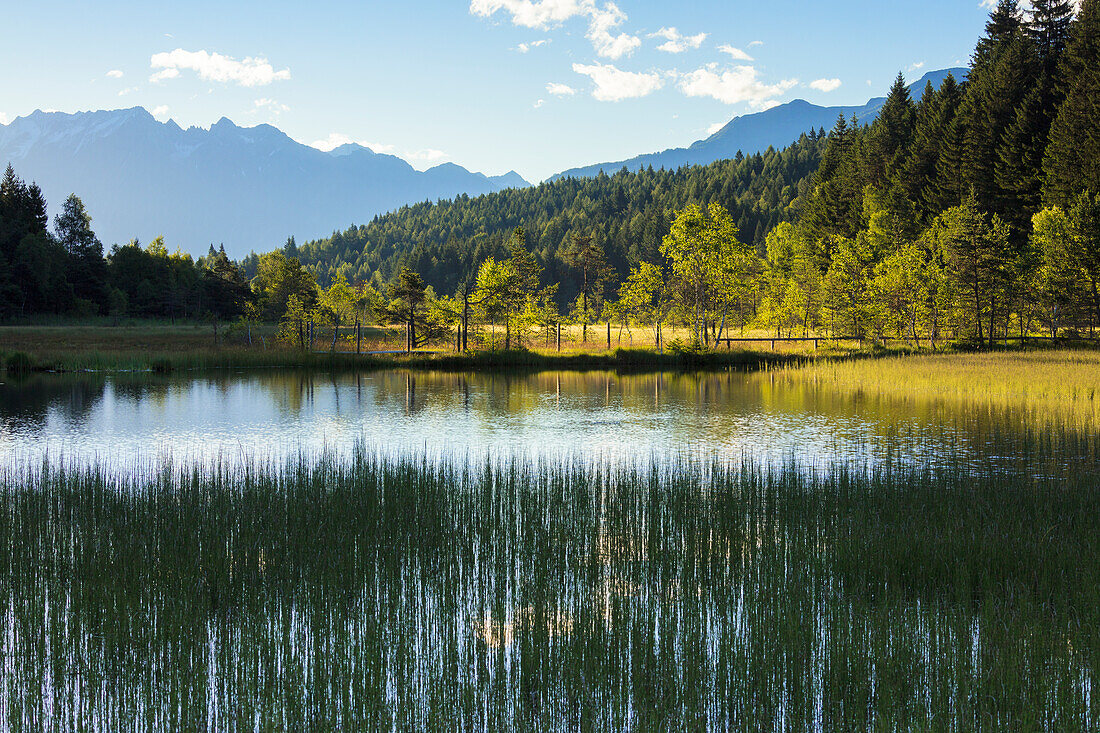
(375,591)
(1051,385)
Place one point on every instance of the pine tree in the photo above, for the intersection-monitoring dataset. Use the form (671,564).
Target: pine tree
(935,113)
(73,229)
(890,136)
(1017,131)
(1049,27)
(992,93)
(1072,162)
(1004,24)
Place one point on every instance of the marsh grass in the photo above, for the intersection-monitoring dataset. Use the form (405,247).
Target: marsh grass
(379,591)
(1046,386)
(209,359)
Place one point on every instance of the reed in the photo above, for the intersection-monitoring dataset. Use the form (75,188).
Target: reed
(392,591)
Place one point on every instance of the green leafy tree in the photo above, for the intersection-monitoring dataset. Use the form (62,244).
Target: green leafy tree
(1059,282)
(977,250)
(408,298)
(702,247)
(587,258)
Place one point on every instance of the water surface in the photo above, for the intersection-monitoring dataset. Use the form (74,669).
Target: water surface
(245,417)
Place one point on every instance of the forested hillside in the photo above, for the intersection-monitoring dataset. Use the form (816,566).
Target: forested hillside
(627,214)
(969,213)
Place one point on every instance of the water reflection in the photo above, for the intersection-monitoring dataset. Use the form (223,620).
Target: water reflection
(136,419)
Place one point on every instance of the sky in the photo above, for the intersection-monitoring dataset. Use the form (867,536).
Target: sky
(538,86)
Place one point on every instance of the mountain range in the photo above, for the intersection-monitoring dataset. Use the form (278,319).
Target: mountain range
(753,133)
(246,188)
(250,188)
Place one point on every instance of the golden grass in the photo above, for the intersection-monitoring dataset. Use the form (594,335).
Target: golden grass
(1058,384)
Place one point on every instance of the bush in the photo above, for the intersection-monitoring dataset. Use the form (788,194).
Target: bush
(162,365)
(19,363)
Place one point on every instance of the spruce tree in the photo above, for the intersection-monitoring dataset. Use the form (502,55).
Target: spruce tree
(988,112)
(1017,133)
(1072,162)
(1049,27)
(1004,23)
(73,229)
(890,136)
(935,115)
(1020,157)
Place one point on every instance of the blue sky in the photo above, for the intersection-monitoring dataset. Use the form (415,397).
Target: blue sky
(534,85)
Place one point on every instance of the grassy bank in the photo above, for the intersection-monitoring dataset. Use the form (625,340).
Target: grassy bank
(141,345)
(376,592)
(1049,385)
(231,357)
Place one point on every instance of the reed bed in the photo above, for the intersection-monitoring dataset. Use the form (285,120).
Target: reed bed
(396,592)
(1050,385)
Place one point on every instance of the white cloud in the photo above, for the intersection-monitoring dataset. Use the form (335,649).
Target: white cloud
(539,103)
(115,73)
(160,111)
(525,47)
(715,128)
(4,119)
(336,139)
(825,85)
(755,44)
(675,42)
(545,14)
(733,86)
(917,66)
(428,156)
(599,33)
(614,85)
(530,13)
(560,90)
(736,53)
(270,104)
(251,72)
(127,90)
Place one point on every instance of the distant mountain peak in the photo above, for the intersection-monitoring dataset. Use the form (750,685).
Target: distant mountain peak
(351,149)
(247,187)
(777,127)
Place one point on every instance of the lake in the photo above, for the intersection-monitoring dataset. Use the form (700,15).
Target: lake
(554,551)
(127,420)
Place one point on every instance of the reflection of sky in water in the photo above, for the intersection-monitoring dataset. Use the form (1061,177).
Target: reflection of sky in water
(269,416)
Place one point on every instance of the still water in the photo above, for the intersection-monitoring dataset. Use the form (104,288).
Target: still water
(129,420)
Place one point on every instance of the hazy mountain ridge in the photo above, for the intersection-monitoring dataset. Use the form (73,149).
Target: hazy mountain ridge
(248,188)
(753,133)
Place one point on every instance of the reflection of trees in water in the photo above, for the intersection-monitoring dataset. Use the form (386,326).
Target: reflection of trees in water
(27,401)
(674,411)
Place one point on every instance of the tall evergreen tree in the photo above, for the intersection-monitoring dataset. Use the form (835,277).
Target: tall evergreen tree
(1049,27)
(935,114)
(73,229)
(890,136)
(1072,162)
(989,109)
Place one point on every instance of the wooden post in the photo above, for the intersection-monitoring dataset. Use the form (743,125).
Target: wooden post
(358,337)
(609,335)
(773,344)
(559,337)
(310,330)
